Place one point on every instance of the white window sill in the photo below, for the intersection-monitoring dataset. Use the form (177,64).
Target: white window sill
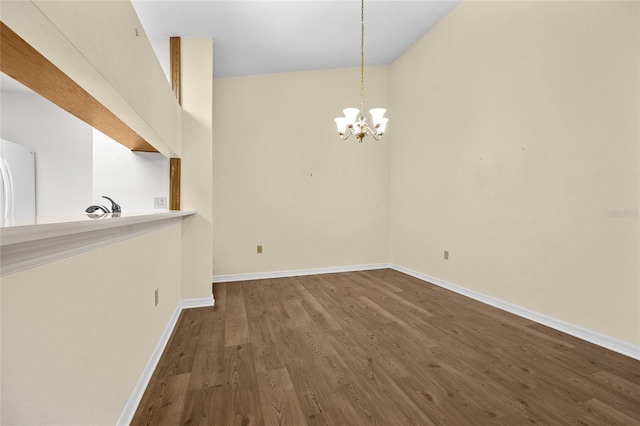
(25,243)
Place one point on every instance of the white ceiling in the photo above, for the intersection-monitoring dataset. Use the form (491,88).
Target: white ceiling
(262,36)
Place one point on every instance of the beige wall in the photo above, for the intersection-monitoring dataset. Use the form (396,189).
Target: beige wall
(283,179)
(515,142)
(77,333)
(197,239)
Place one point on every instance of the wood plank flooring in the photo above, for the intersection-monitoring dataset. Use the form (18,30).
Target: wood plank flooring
(378,348)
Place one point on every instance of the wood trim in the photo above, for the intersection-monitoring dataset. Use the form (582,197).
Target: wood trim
(25,64)
(174,184)
(174,164)
(174,55)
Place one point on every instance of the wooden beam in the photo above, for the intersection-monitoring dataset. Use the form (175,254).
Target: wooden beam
(174,184)
(174,54)
(174,164)
(23,63)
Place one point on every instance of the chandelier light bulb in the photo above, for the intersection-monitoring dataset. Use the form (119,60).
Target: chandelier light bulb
(377,115)
(380,127)
(341,122)
(351,115)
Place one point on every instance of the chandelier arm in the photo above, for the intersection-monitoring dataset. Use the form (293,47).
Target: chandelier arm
(374,134)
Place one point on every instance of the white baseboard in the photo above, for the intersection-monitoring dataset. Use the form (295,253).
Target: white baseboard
(616,345)
(132,404)
(201,302)
(297,272)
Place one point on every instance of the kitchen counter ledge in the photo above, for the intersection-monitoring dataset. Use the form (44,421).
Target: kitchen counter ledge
(30,242)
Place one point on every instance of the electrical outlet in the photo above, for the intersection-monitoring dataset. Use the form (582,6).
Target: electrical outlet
(446,255)
(259,249)
(157,296)
(159,202)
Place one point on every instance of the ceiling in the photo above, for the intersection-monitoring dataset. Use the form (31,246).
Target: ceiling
(262,36)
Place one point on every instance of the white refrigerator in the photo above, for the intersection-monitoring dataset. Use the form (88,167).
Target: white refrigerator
(17,181)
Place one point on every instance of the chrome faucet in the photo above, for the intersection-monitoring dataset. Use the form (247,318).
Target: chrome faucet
(92,209)
(115,208)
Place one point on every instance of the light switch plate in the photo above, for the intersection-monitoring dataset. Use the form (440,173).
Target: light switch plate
(159,202)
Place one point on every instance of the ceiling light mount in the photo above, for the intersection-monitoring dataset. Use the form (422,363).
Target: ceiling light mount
(354,122)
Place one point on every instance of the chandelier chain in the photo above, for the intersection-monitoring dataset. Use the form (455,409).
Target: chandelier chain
(362,55)
(354,123)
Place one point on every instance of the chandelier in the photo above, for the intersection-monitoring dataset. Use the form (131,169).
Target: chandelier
(354,122)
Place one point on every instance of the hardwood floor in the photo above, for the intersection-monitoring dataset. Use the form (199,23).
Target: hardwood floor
(382,348)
